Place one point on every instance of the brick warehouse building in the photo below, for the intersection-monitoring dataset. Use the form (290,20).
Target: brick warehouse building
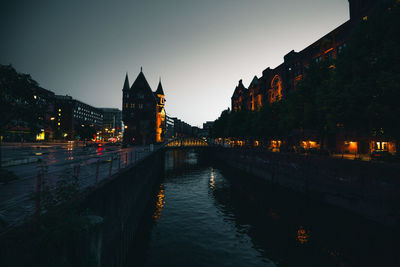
(275,84)
(143,112)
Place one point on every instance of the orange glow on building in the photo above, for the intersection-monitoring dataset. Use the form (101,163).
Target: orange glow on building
(275,145)
(275,93)
(253,106)
(259,101)
(160,119)
(383,146)
(351,147)
(298,78)
(309,144)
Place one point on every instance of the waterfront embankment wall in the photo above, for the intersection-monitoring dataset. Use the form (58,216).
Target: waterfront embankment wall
(122,202)
(97,229)
(370,189)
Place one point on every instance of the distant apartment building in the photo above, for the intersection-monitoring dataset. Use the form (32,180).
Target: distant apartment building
(75,119)
(112,123)
(170,128)
(18,129)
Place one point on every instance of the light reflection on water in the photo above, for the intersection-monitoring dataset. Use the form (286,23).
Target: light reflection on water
(192,228)
(212,216)
(159,204)
(212,179)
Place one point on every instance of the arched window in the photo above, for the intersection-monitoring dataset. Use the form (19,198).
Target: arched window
(275,93)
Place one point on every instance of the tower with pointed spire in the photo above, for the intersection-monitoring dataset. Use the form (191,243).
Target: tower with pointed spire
(160,113)
(143,112)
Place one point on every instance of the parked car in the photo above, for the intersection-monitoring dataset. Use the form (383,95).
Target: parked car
(381,155)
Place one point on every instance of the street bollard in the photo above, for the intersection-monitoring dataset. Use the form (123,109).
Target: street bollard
(110,170)
(97,173)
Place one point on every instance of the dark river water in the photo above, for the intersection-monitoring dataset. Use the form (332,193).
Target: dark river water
(209,215)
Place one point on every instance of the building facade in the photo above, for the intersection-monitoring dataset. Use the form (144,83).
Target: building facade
(75,119)
(18,129)
(143,112)
(275,84)
(112,124)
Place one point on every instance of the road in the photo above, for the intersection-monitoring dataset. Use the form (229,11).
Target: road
(52,163)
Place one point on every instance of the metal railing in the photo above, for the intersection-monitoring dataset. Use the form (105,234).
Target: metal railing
(20,201)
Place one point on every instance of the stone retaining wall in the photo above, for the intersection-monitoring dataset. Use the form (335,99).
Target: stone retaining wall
(371,189)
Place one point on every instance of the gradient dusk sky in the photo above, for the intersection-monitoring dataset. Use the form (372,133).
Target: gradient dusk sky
(199,48)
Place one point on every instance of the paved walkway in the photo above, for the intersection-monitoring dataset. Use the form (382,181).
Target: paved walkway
(56,163)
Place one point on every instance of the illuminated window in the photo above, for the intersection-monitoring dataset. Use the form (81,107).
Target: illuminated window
(132,105)
(275,93)
(382,146)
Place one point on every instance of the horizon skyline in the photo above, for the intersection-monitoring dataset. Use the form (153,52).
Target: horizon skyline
(193,47)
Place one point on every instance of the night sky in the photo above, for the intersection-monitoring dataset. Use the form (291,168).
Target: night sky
(199,48)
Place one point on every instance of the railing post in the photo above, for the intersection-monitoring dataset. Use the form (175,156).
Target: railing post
(97,173)
(110,170)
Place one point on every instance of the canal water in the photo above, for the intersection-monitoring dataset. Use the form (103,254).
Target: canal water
(205,214)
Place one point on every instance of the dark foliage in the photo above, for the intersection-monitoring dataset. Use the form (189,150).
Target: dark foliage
(358,92)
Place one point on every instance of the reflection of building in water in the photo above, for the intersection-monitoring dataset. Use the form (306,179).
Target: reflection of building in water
(302,235)
(212,179)
(160,203)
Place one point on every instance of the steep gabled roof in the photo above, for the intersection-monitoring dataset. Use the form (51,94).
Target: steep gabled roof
(254,82)
(126,83)
(239,87)
(141,83)
(159,90)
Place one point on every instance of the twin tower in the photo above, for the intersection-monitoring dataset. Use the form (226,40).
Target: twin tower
(143,112)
